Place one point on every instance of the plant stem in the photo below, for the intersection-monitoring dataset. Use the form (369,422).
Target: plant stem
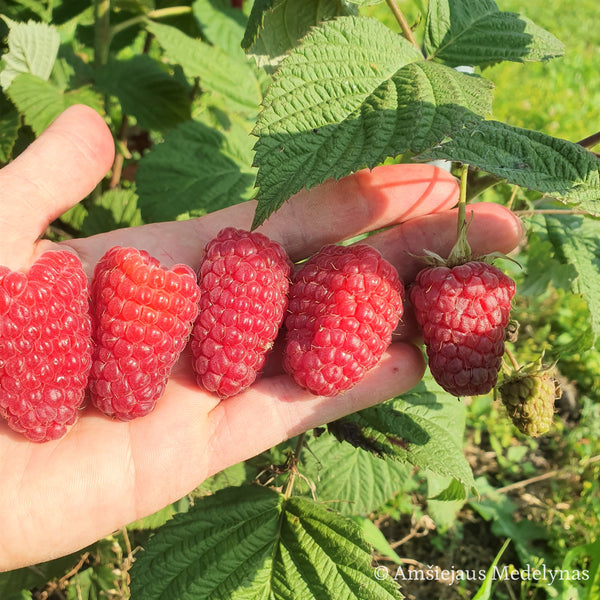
(159,13)
(462,200)
(289,484)
(591,141)
(117,168)
(101,32)
(512,197)
(404,26)
(512,359)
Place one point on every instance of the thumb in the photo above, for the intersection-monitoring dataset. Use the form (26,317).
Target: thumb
(55,172)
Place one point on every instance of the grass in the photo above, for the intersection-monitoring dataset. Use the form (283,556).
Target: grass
(559,97)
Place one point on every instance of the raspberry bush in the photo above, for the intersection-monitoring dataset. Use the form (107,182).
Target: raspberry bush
(213,102)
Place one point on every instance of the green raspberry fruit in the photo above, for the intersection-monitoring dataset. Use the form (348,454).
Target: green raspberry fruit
(529,400)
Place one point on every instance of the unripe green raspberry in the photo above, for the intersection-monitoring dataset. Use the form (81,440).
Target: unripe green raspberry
(529,400)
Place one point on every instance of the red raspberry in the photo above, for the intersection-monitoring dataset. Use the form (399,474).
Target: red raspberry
(345,303)
(463,312)
(45,345)
(244,279)
(143,314)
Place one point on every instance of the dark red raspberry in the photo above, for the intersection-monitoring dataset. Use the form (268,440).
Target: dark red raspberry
(143,315)
(45,345)
(244,279)
(345,302)
(463,312)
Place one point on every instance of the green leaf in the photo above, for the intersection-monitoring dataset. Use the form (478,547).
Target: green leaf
(446,497)
(542,266)
(527,158)
(14,585)
(9,130)
(352,481)
(323,555)
(256,21)
(219,73)
(375,537)
(113,210)
(576,242)
(146,91)
(276,26)
(41,102)
(92,583)
(250,542)
(197,169)
(485,591)
(352,94)
(32,48)
(235,475)
(423,427)
(365,2)
(497,508)
(477,33)
(160,517)
(221,24)
(574,558)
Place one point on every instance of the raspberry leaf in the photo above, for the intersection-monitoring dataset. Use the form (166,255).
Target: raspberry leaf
(250,542)
(32,48)
(172,186)
(9,129)
(352,481)
(580,252)
(477,33)
(230,78)
(41,102)
(114,209)
(221,24)
(576,556)
(497,508)
(423,427)
(145,90)
(350,95)
(275,26)
(527,158)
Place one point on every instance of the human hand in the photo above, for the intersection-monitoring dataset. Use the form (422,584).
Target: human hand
(60,496)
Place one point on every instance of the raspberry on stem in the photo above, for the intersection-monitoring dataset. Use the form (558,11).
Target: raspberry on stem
(462,306)
(528,393)
(462,312)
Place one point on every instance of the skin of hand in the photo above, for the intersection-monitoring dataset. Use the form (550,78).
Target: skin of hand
(60,496)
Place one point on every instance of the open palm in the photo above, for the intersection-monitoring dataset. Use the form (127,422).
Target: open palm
(60,496)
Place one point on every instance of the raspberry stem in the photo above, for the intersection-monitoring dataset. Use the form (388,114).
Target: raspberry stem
(289,484)
(401,19)
(512,359)
(461,252)
(462,200)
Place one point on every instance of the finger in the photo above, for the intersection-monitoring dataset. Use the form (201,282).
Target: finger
(54,173)
(279,409)
(328,213)
(494,228)
(366,201)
